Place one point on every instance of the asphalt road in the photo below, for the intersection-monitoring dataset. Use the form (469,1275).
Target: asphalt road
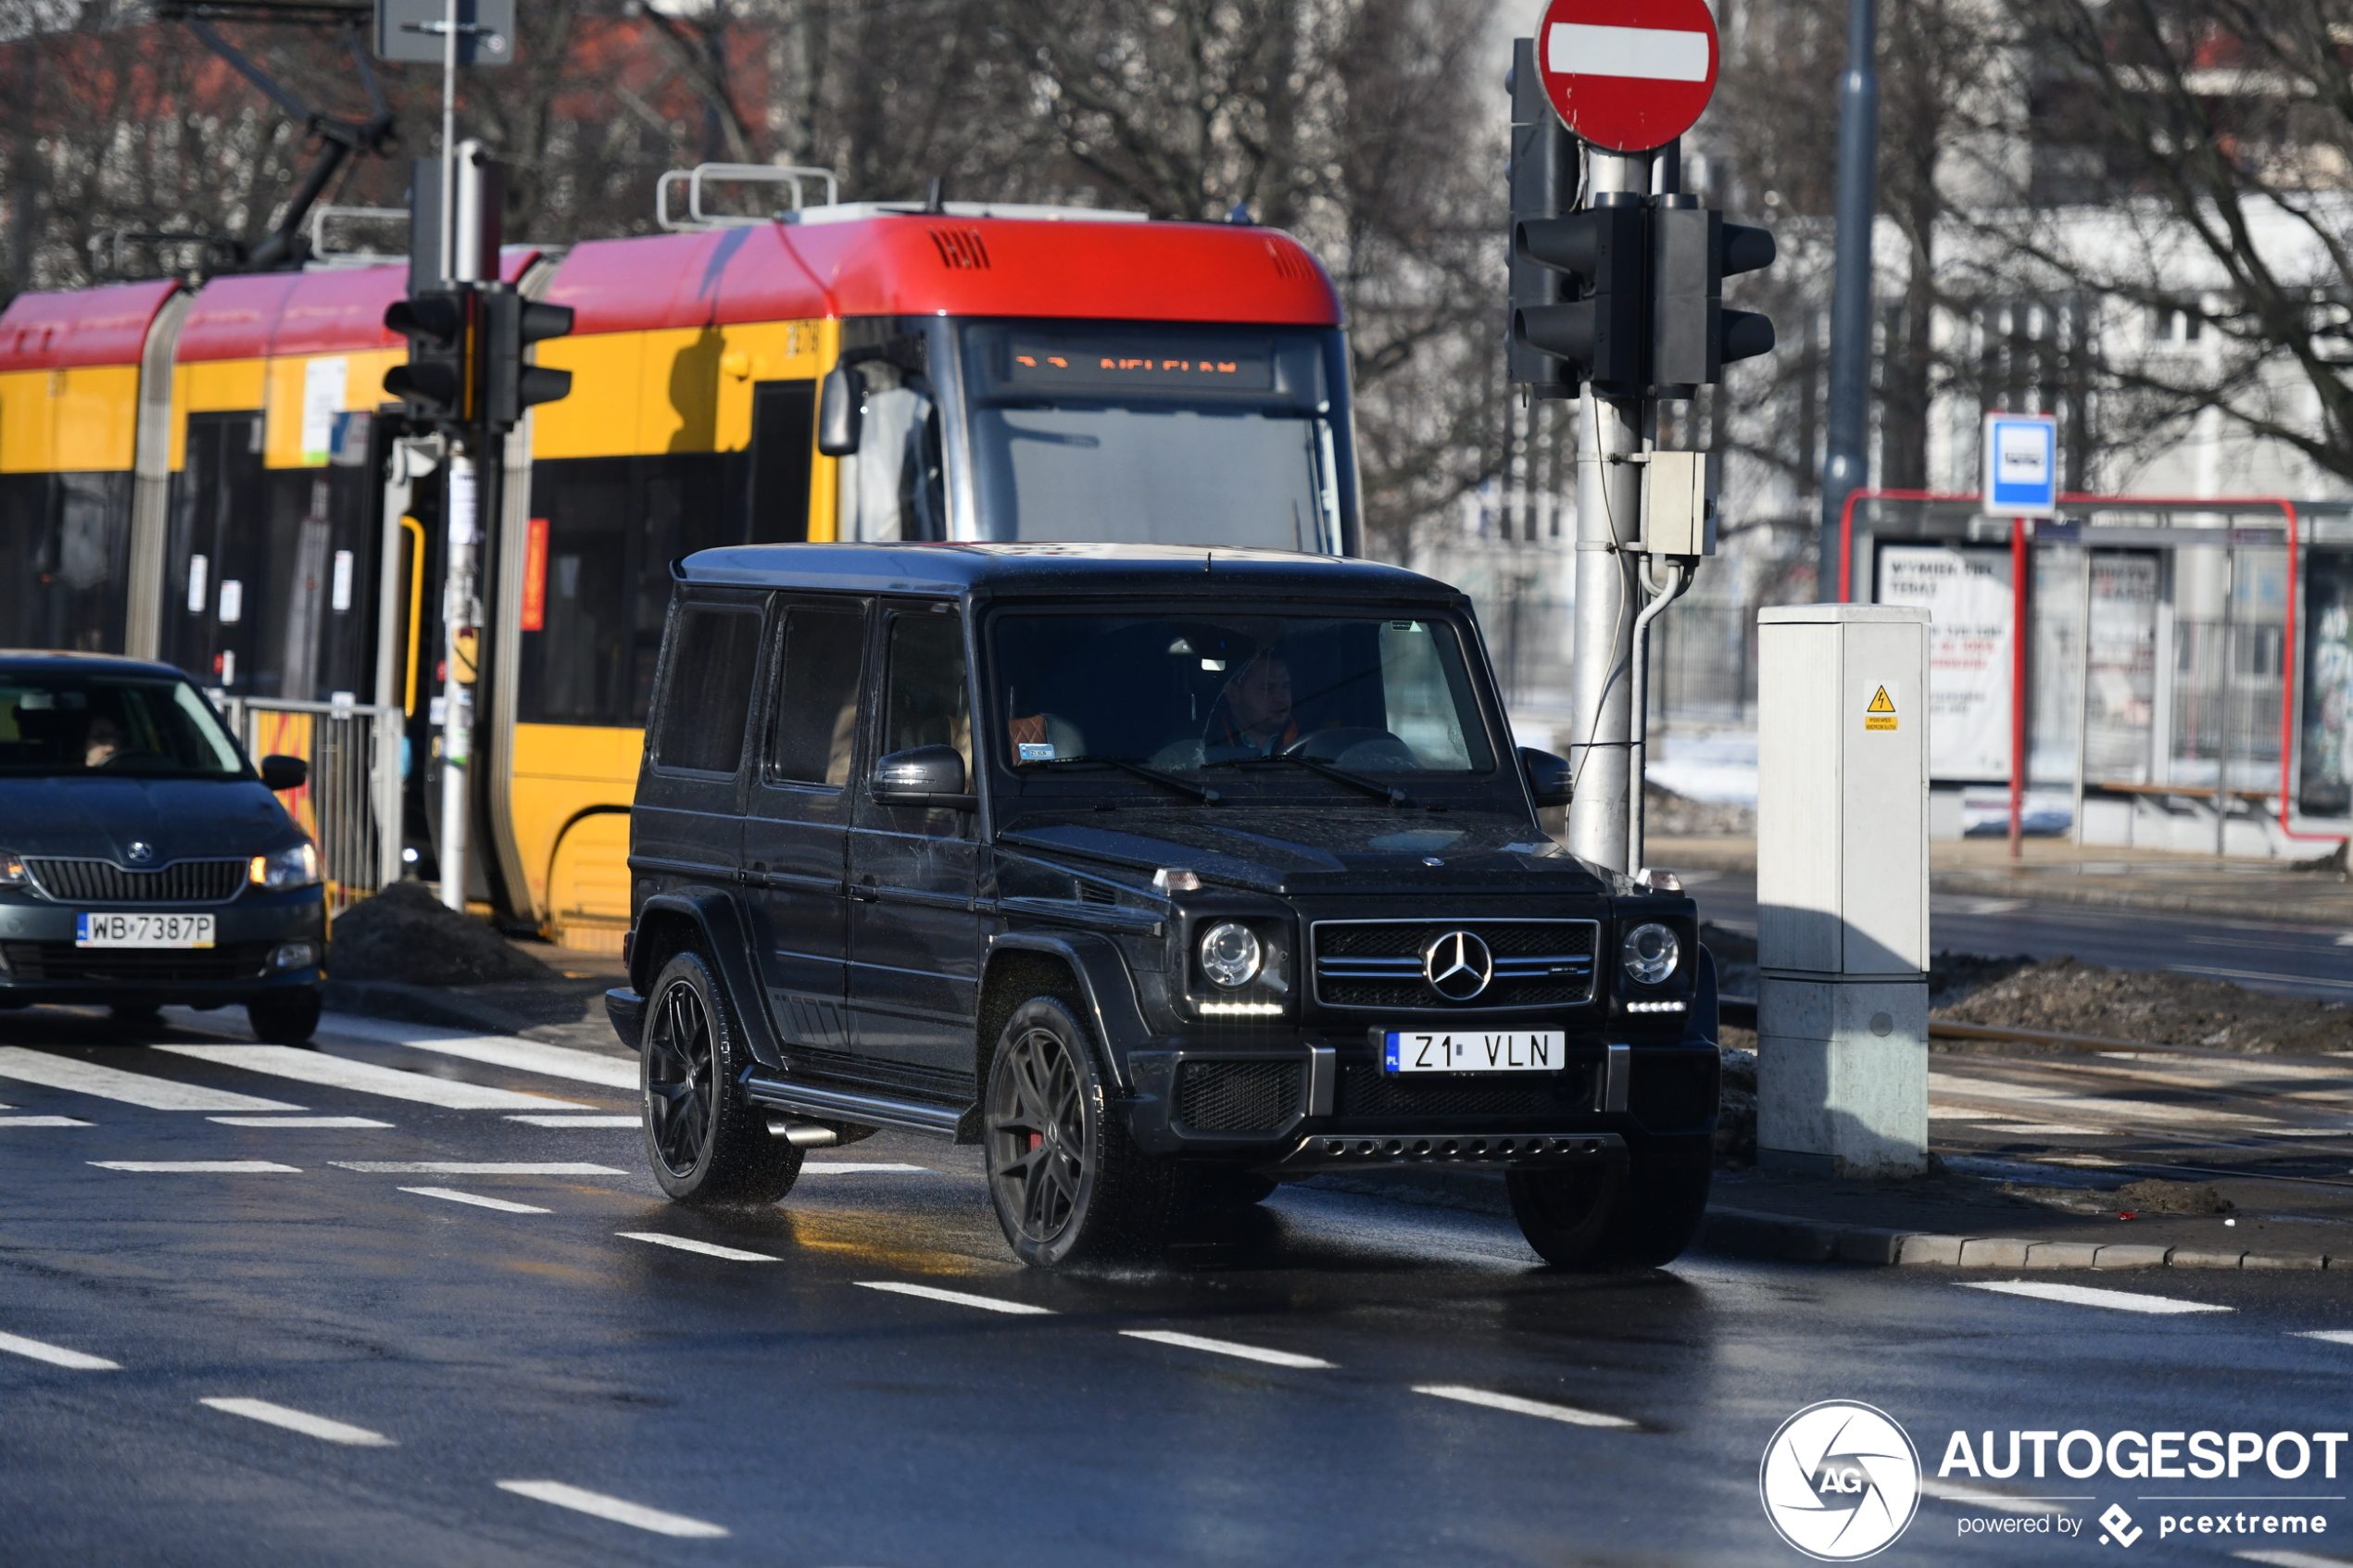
(2285,956)
(538,1382)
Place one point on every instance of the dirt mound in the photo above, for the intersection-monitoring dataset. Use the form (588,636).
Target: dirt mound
(1670,815)
(404,933)
(2072,998)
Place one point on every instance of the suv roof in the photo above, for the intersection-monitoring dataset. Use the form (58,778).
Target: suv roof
(68,658)
(1046,567)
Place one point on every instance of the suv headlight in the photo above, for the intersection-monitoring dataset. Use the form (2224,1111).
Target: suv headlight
(1230,954)
(295,866)
(1650,953)
(12,869)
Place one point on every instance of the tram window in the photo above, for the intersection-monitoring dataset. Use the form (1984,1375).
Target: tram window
(711,669)
(783,417)
(816,711)
(64,560)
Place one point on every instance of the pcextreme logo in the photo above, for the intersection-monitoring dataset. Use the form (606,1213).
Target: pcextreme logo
(1840,1481)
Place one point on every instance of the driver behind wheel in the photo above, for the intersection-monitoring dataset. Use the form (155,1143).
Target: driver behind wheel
(102,742)
(1253,716)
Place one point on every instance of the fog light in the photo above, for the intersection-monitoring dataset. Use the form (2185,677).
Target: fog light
(293,955)
(1655,1007)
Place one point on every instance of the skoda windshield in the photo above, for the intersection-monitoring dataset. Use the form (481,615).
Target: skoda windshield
(57,725)
(1206,697)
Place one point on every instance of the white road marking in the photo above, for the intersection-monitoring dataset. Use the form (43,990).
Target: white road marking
(494,1050)
(454,1196)
(2087,1296)
(82,1077)
(55,1355)
(41,1122)
(1518,1406)
(365,1077)
(474,1168)
(2334,1336)
(956,1298)
(2042,1129)
(614,1509)
(709,1250)
(1952,1088)
(309,1425)
(195,1167)
(1221,1348)
(852,1168)
(576,1121)
(1979,1497)
(354,1121)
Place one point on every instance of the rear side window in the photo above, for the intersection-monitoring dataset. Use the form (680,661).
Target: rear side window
(926,706)
(710,690)
(816,720)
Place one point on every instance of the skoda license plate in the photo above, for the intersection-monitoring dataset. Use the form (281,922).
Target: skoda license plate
(1503,1050)
(142,930)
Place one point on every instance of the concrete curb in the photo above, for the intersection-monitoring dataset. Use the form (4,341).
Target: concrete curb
(1745,1233)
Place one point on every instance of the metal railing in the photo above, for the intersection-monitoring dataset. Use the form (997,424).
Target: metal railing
(351,805)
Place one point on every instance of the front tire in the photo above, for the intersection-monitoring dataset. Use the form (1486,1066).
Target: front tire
(706,1142)
(1638,1216)
(285,1018)
(1068,1182)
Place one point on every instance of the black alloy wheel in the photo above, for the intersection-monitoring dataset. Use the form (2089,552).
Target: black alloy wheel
(287,1017)
(1637,1215)
(706,1143)
(1067,1179)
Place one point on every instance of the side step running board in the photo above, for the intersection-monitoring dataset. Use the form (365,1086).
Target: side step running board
(865,1109)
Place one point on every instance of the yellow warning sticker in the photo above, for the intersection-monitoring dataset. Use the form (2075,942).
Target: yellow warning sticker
(1880,712)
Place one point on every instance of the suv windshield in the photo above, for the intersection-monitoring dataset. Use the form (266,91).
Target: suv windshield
(55,724)
(1209,436)
(1181,692)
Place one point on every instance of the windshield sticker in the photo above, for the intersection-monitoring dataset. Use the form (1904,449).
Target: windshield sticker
(1036,751)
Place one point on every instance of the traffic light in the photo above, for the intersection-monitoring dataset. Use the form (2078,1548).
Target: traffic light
(436,383)
(1603,328)
(509,323)
(1543,173)
(1693,336)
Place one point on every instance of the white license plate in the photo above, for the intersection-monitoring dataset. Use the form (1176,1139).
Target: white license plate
(1502,1050)
(142,930)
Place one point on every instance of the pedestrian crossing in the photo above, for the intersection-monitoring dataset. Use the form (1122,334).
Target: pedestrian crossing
(367,1078)
(77,1076)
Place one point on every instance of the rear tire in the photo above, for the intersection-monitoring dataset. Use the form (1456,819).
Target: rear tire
(285,1018)
(1067,1179)
(706,1142)
(1639,1216)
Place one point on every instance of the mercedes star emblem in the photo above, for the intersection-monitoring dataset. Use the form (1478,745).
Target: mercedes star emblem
(141,851)
(1457,966)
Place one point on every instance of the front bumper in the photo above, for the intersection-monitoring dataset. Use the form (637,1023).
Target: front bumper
(39,962)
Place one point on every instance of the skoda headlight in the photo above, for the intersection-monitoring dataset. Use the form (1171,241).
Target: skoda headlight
(1230,955)
(295,866)
(1650,953)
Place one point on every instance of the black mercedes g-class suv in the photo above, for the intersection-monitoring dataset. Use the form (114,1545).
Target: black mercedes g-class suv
(1163,873)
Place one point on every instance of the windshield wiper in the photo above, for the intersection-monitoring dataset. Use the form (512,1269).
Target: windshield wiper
(1201,793)
(1357,780)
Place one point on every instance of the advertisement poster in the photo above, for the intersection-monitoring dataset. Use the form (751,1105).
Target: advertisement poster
(1967,595)
(2326,787)
(2119,688)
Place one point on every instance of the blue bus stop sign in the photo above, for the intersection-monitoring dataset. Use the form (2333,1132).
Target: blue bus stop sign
(2022,465)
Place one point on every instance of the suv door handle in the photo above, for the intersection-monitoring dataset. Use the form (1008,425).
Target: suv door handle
(864,891)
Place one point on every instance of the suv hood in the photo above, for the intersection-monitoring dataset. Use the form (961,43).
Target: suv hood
(94,815)
(1333,848)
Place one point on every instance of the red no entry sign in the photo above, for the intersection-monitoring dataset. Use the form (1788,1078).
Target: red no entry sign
(1628,75)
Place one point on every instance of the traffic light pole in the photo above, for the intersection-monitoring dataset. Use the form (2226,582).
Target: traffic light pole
(462,617)
(1609,499)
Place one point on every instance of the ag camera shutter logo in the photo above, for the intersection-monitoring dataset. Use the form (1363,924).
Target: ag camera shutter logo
(1840,1481)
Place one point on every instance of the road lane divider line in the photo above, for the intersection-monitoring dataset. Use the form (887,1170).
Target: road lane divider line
(452,1195)
(854,1167)
(309,1425)
(1979,1497)
(41,1122)
(707,1249)
(474,1167)
(618,1510)
(367,1078)
(351,1122)
(2089,1295)
(954,1297)
(55,1355)
(198,1167)
(1224,1347)
(512,1051)
(575,1121)
(1518,1406)
(77,1076)
(2334,1336)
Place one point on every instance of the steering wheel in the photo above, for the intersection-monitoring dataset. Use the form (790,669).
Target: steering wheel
(1360,747)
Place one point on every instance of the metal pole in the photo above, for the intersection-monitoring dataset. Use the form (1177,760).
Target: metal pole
(460,647)
(1636,770)
(1608,518)
(2083,694)
(448,138)
(2222,706)
(1845,464)
(2022,561)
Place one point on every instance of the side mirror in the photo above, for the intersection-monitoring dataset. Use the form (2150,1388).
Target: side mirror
(281,773)
(841,411)
(1549,777)
(926,775)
